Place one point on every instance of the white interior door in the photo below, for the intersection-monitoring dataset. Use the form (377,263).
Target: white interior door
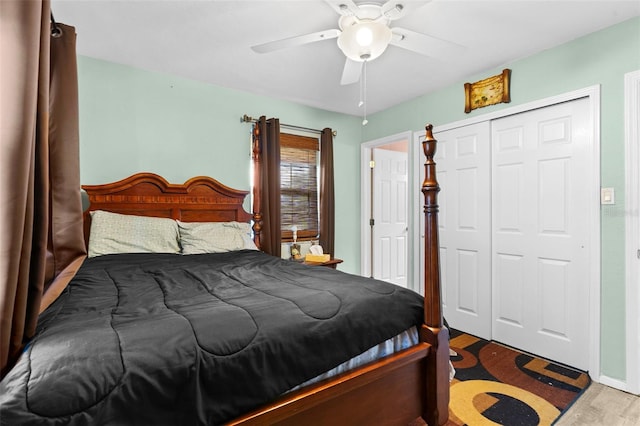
(540,240)
(464,173)
(390,230)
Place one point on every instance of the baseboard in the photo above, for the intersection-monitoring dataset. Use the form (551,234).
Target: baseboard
(613,383)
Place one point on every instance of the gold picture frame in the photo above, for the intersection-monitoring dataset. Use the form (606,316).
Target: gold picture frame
(490,91)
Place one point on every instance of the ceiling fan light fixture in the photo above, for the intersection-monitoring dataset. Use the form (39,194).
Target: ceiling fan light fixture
(364,40)
(364,36)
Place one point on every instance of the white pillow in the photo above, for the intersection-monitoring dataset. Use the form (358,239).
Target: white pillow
(215,237)
(113,233)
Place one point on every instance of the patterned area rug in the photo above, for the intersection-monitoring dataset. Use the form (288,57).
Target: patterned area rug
(496,385)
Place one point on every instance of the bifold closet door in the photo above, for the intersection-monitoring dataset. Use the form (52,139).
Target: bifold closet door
(463,159)
(540,231)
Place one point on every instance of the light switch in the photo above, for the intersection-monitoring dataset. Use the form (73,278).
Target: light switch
(607,196)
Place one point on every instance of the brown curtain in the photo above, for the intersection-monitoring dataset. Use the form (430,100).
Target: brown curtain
(327,195)
(40,207)
(66,247)
(269,134)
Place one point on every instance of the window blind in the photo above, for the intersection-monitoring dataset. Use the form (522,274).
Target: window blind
(299,167)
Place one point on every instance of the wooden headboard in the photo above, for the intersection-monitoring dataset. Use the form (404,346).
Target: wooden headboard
(200,199)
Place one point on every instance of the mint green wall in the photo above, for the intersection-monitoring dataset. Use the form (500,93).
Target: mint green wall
(601,58)
(133,120)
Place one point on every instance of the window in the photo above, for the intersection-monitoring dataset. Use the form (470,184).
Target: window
(299,169)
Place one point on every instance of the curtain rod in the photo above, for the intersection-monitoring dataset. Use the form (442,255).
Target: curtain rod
(55,30)
(247,119)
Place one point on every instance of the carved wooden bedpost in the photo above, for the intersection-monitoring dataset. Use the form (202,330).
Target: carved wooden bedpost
(433,331)
(257,185)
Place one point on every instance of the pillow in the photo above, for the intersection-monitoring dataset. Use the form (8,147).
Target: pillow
(113,233)
(215,237)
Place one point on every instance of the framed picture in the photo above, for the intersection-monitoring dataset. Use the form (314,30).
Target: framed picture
(490,91)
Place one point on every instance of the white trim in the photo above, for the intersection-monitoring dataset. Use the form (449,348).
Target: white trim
(632,226)
(611,382)
(595,284)
(365,200)
(593,94)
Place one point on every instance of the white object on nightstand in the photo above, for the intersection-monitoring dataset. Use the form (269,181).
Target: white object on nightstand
(316,249)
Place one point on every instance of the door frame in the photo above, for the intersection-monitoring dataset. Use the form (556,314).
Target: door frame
(592,93)
(632,226)
(365,201)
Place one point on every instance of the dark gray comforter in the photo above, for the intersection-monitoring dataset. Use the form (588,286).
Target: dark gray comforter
(167,339)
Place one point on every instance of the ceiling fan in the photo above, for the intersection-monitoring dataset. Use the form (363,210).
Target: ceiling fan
(365,33)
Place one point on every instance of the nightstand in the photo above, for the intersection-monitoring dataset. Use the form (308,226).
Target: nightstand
(332,263)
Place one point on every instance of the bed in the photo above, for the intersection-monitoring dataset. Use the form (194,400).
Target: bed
(210,335)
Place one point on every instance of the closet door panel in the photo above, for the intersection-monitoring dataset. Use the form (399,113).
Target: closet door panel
(540,231)
(465,202)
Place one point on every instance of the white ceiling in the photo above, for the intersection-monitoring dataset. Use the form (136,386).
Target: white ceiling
(210,41)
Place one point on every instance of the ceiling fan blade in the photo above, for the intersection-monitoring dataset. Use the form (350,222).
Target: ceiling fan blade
(295,41)
(396,9)
(351,72)
(424,44)
(343,7)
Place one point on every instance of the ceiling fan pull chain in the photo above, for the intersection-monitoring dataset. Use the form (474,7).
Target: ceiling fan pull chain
(361,88)
(364,92)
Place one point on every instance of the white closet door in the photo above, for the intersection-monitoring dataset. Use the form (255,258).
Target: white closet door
(463,171)
(540,231)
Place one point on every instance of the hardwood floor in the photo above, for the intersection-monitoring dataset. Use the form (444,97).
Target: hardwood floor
(603,406)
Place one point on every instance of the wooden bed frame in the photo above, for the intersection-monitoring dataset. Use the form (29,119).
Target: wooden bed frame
(409,387)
